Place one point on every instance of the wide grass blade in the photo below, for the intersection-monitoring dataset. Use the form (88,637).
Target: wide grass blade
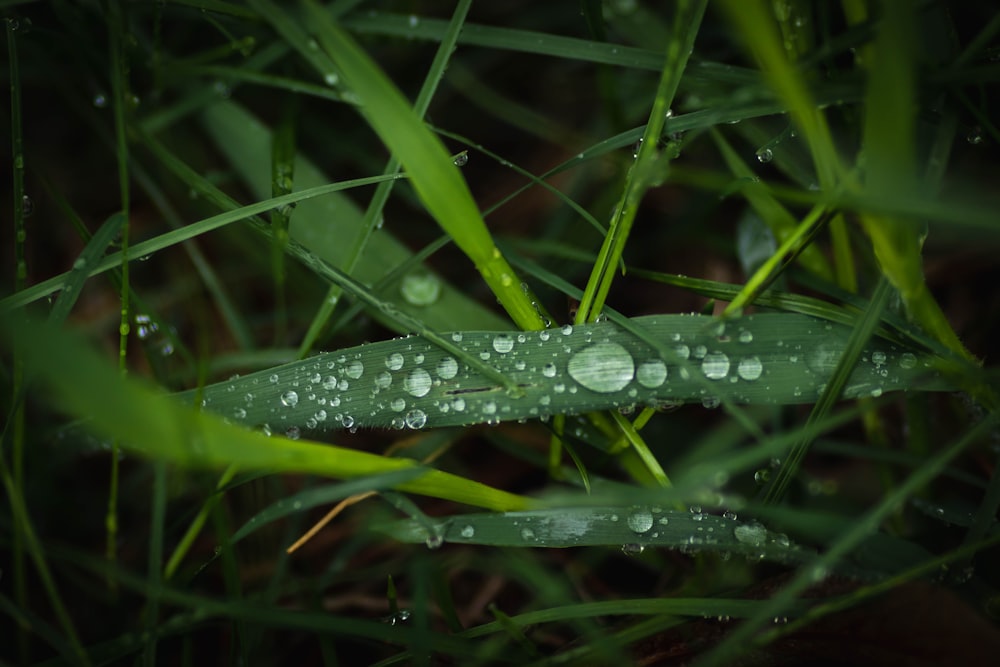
(772,359)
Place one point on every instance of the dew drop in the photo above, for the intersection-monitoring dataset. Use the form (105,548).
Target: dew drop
(417,383)
(331,79)
(746,337)
(458,405)
(750,368)
(567,330)
(640,521)
(543,336)
(273,379)
(602,367)
(489,408)
(394,361)
(420,289)
(651,373)
(397,404)
(503,343)
(549,370)
(447,368)
(457,337)
(461,159)
(765,155)
(753,534)
(683,352)
(908,360)
(383,380)
(632,549)
(289,399)
(528,535)
(878,357)
(715,366)
(330,383)
(468,532)
(416,419)
(354,369)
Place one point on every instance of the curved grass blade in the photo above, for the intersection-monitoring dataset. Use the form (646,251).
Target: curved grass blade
(434,176)
(772,358)
(157,426)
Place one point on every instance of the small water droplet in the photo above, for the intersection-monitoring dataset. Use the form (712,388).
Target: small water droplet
(461,159)
(100,100)
(746,337)
(640,520)
(549,370)
(417,383)
(397,404)
(458,404)
(878,357)
(447,368)
(468,532)
(503,343)
(394,361)
(420,289)
(908,360)
(567,330)
(456,337)
(765,155)
(331,79)
(975,136)
(434,541)
(528,535)
(290,399)
(383,380)
(753,534)
(750,368)
(632,549)
(416,419)
(355,369)
(715,366)
(602,367)
(651,373)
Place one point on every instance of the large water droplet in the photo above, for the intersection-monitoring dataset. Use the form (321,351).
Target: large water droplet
(290,399)
(420,289)
(447,368)
(397,404)
(753,534)
(394,361)
(355,369)
(640,520)
(417,383)
(383,380)
(416,419)
(908,360)
(715,366)
(602,367)
(503,343)
(750,368)
(651,373)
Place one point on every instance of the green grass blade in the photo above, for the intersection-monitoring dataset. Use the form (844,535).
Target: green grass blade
(432,173)
(161,428)
(414,383)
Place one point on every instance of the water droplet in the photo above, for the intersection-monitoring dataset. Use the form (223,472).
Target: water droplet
(447,368)
(394,361)
(331,79)
(549,370)
(764,155)
(567,330)
(290,399)
(750,368)
(354,369)
(700,351)
(240,413)
(640,520)
(823,359)
(715,366)
(414,21)
(602,367)
(461,159)
(397,404)
(746,337)
(651,373)
(503,343)
(420,289)
(273,379)
(457,337)
(293,433)
(632,549)
(528,534)
(434,541)
(100,100)
(489,408)
(417,383)
(975,136)
(468,532)
(27,206)
(908,360)
(753,534)
(383,380)
(878,357)
(458,405)
(416,419)
(320,416)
